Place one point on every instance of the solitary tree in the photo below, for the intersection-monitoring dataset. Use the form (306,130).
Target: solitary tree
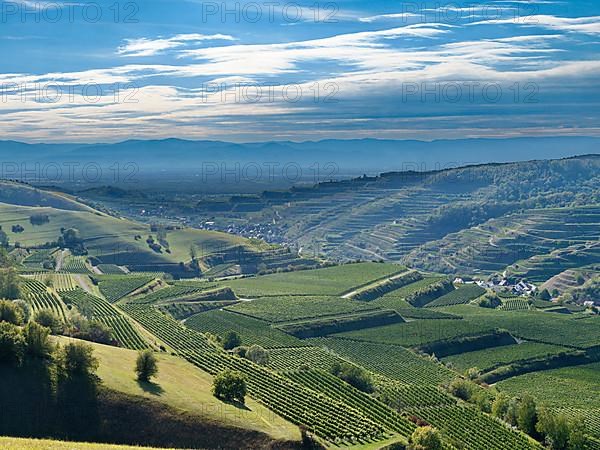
(232,340)
(425,438)
(230,386)
(258,355)
(146,365)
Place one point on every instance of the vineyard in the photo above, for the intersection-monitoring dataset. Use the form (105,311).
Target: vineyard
(332,281)
(326,417)
(75,264)
(463,294)
(115,287)
(294,358)
(491,358)
(288,309)
(110,269)
(175,292)
(398,296)
(58,281)
(333,387)
(514,304)
(41,298)
(467,427)
(183,310)
(252,331)
(101,310)
(419,332)
(394,362)
(537,326)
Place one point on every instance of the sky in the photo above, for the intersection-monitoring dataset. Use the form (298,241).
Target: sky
(247,71)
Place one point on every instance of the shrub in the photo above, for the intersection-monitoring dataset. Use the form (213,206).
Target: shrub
(48,319)
(146,365)
(230,386)
(24,308)
(10,312)
(353,375)
(231,340)
(461,388)
(425,438)
(490,300)
(500,405)
(12,344)
(258,355)
(527,414)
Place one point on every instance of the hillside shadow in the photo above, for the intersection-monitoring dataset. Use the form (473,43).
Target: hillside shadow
(151,388)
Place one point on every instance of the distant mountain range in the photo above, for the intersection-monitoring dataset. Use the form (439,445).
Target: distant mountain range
(348,156)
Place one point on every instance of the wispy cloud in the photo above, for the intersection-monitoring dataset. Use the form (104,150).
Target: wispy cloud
(149,47)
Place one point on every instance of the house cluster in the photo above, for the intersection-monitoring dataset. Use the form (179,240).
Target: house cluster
(502,284)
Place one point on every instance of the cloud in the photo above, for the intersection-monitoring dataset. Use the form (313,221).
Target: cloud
(585,25)
(149,47)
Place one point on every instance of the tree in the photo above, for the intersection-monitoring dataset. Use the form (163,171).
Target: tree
(48,319)
(24,308)
(230,386)
(12,344)
(461,388)
(577,433)
(490,300)
(512,411)
(545,295)
(146,365)
(232,340)
(425,438)
(527,414)
(554,428)
(10,284)
(76,359)
(258,355)
(11,313)
(500,405)
(37,340)
(353,375)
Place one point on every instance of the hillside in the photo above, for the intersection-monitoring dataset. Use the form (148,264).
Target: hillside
(114,240)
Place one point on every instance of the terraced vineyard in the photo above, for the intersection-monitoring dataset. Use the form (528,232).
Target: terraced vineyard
(326,417)
(252,331)
(394,298)
(41,298)
(183,310)
(123,330)
(115,287)
(394,362)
